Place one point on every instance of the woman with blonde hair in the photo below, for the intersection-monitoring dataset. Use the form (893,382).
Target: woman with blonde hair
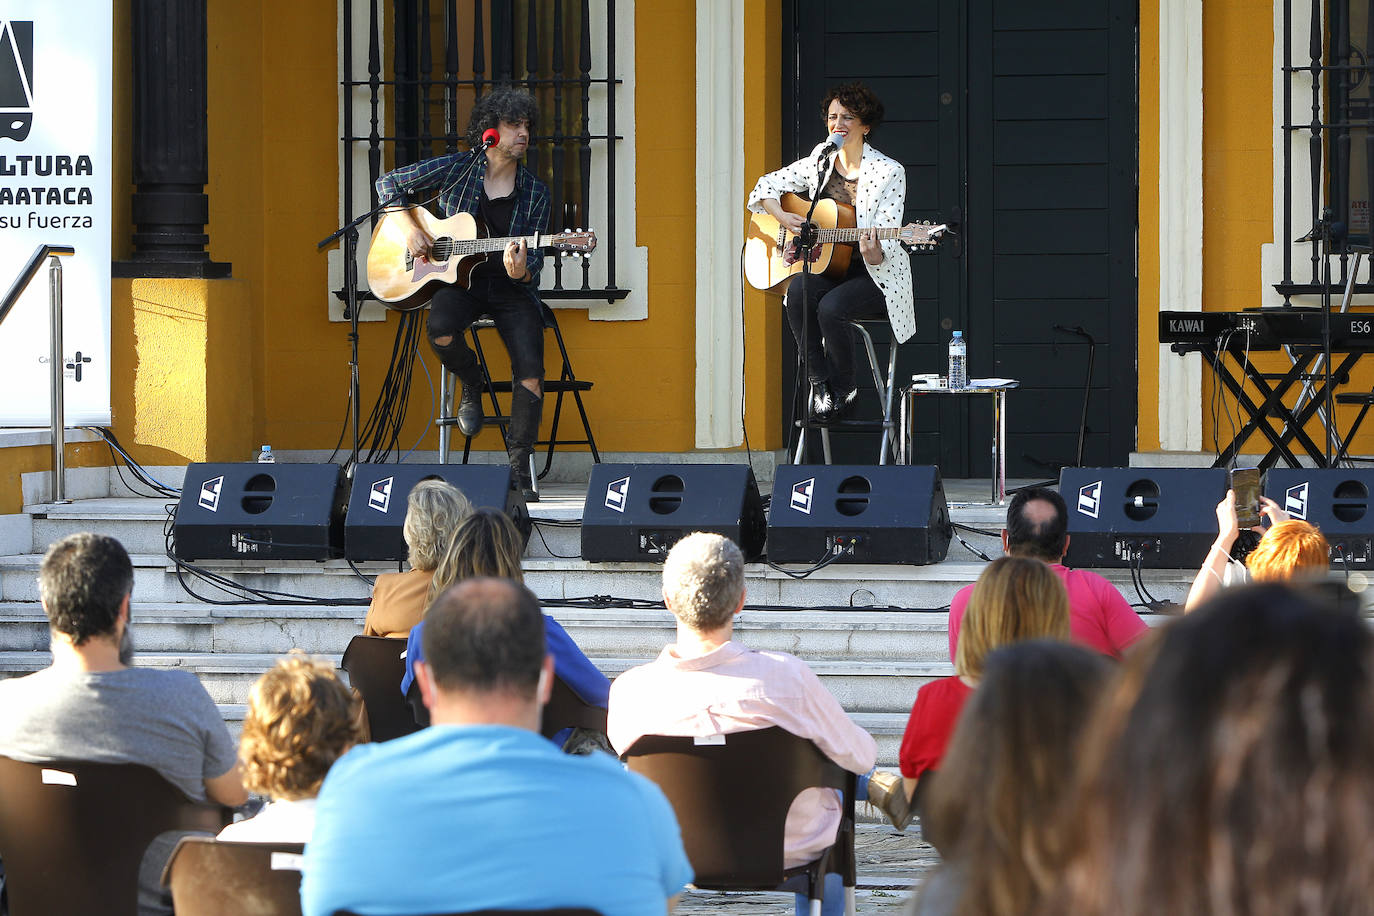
(300,719)
(433,509)
(487,543)
(1016,598)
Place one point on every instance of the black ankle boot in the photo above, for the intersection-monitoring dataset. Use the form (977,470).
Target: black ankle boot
(525,410)
(470,417)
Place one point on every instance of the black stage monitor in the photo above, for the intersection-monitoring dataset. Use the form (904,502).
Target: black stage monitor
(377,503)
(639,511)
(1336,500)
(859,514)
(254,511)
(1146,517)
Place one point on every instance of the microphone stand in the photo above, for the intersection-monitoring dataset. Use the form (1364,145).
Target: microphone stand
(805,241)
(349,232)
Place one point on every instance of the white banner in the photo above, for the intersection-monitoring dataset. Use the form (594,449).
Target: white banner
(55,140)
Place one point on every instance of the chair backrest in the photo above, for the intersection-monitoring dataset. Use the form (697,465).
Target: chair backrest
(375,668)
(72,834)
(211,878)
(566,709)
(731,800)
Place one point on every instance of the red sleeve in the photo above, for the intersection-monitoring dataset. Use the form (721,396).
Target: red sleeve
(957,605)
(933,717)
(1123,626)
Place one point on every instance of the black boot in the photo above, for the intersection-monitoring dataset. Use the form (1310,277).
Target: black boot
(525,410)
(470,402)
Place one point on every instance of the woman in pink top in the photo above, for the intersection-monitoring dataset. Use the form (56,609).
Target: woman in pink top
(1014,599)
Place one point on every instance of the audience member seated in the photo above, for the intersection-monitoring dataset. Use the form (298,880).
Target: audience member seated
(992,809)
(477,811)
(300,719)
(1231,770)
(1290,549)
(1037,527)
(706,684)
(92,705)
(433,510)
(1014,599)
(486,543)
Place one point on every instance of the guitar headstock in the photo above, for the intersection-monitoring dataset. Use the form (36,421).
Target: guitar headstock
(573,241)
(922,235)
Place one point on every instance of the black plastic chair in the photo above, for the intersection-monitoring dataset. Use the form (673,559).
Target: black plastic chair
(731,801)
(73,834)
(375,668)
(213,878)
(565,709)
(566,383)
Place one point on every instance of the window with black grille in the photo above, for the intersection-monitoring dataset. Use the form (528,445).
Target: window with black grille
(408,96)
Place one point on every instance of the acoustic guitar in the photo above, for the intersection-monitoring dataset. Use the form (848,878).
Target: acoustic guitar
(394,274)
(770,249)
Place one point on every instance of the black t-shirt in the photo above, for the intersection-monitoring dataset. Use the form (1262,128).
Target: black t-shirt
(496,216)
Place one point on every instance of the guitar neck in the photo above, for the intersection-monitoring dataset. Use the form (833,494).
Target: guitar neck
(824,236)
(447,246)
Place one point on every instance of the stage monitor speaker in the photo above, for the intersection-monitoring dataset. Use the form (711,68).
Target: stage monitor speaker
(257,511)
(1336,500)
(378,501)
(639,511)
(1146,517)
(858,514)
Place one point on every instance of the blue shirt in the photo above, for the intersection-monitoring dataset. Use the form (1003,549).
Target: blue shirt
(471,817)
(569,663)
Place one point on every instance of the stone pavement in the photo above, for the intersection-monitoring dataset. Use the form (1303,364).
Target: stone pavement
(891,866)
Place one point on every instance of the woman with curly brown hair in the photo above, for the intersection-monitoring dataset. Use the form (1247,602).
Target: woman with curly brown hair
(878,281)
(300,719)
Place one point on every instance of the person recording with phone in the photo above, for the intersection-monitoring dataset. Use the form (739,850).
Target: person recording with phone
(1290,549)
(489,182)
(847,169)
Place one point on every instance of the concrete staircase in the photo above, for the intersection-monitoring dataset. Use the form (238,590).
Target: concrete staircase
(874,634)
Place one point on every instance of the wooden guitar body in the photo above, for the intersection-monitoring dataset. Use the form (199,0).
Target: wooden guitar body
(767,261)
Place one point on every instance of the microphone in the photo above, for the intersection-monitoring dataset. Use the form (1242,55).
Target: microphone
(490,137)
(832,143)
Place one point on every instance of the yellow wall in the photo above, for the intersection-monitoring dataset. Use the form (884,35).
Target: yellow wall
(1147,340)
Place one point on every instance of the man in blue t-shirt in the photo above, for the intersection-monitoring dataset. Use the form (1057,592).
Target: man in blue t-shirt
(478,811)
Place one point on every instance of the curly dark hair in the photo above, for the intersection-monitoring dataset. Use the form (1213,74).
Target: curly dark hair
(83,582)
(503,103)
(859,100)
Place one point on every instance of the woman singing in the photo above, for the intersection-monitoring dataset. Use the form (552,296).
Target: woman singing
(875,186)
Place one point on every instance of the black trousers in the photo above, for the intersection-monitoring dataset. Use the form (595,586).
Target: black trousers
(828,308)
(517,313)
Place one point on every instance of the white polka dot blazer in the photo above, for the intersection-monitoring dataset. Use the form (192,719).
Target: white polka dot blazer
(878,202)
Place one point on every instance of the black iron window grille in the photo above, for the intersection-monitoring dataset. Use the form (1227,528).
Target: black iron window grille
(422,75)
(1329,82)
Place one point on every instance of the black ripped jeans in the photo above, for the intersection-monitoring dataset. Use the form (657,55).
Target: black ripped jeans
(518,316)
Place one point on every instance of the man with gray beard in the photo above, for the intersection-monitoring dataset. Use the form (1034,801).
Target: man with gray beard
(90,704)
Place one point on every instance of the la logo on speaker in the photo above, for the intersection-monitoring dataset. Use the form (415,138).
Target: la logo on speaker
(1090,499)
(1295,501)
(801,495)
(16,79)
(617,491)
(379,497)
(209,493)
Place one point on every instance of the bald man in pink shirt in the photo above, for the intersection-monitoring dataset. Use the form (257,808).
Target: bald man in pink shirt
(1037,527)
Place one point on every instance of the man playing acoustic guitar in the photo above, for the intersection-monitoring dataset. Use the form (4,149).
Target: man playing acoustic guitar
(489,183)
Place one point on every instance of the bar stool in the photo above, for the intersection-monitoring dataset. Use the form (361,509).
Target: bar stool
(883,386)
(566,383)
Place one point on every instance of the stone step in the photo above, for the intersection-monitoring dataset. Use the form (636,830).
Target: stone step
(860,686)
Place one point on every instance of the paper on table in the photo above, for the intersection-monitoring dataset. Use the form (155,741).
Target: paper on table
(990,382)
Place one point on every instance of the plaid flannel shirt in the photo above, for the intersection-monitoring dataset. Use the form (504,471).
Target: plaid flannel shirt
(531,195)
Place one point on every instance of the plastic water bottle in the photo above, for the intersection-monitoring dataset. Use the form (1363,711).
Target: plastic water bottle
(958,361)
(265,456)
